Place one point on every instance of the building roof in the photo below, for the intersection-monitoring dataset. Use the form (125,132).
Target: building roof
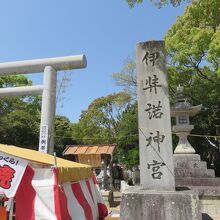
(90,149)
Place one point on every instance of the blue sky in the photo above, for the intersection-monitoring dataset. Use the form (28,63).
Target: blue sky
(106,31)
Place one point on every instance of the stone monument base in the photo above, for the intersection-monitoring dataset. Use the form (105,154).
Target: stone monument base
(140,204)
(191,173)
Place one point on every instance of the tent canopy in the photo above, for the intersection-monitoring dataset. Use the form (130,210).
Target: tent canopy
(68,171)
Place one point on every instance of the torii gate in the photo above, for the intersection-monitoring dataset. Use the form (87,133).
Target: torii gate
(49,66)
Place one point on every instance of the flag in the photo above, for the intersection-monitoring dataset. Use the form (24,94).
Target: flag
(11,172)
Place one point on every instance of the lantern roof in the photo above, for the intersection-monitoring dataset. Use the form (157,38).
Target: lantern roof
(183,106)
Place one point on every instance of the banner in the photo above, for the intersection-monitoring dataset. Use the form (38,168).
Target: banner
(11,171)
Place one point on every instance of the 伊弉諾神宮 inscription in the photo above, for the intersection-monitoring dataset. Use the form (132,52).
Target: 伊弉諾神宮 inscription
(156,165)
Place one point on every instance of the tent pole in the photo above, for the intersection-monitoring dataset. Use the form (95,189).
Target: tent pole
(11,212)
(55,159)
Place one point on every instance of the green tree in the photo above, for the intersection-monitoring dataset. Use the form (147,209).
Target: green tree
(127,77)
(158,3)
(19,116)
(193,41)
(10,104)
(99,123)
(193,45)
(127,137)
(88,132)
(63,134)
(20,128)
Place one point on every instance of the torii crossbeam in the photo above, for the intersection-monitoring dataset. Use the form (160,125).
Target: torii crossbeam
(49,66)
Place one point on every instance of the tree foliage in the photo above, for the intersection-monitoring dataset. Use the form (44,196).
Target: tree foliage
(193,45)
(127,77)
(158,3)
(132,3)
(99,123)
(194,54)
(193,41)
(127,136)
(20,128)
(63,134)
(19,116)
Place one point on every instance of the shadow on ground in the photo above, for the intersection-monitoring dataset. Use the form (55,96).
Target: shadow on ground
(205,216)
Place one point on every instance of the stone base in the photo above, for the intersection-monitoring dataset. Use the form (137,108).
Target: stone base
(190,165)
(186,157)
(209,197)
(191,173)
(139,204)
(189,181)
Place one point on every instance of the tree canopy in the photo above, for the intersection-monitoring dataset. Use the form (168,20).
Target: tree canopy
(193,42)
(127,77)
(99,123)
(19,116)
(193,45)
(127,136)
(158,3)
(63,134)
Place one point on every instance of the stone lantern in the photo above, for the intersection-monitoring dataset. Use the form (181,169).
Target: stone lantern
(182,111)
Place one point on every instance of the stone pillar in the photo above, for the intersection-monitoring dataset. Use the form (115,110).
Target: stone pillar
(156,154)
(156,198)
(46,143)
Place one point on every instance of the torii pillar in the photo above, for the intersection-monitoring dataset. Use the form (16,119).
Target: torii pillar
(49,66)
